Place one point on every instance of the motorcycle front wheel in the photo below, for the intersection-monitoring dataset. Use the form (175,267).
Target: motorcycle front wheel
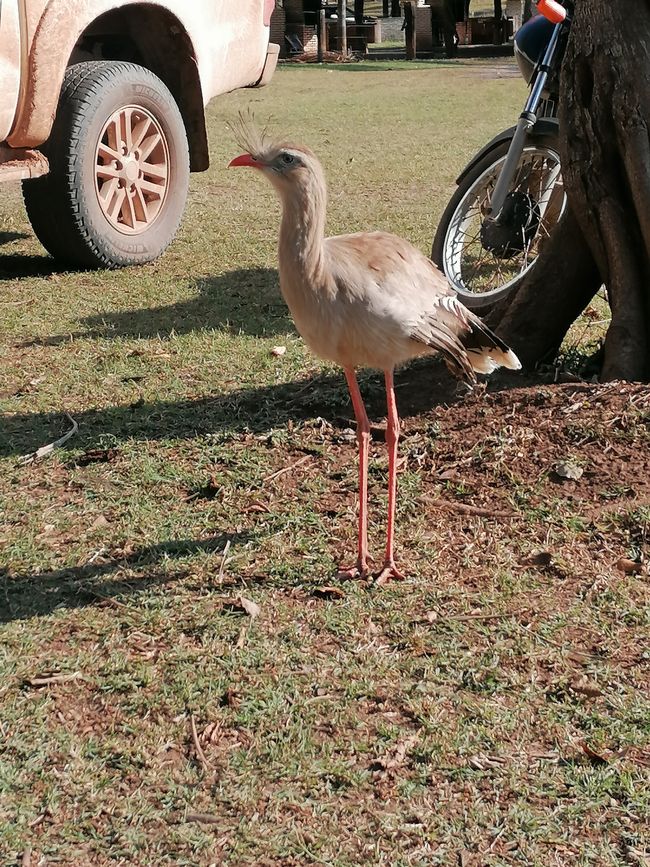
(485,263)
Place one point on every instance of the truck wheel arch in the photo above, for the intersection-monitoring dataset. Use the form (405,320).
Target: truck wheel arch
(155,38)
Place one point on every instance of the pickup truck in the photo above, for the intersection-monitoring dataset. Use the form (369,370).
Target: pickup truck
(102,113)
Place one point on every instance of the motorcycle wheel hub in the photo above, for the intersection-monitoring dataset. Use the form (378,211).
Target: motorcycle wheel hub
(515,228)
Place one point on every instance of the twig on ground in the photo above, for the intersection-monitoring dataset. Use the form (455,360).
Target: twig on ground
(204,818)
(466,509)
(205,764)
(287,469)
(27,857)
(222,565)
(49,448)
(48,679)
(501,616)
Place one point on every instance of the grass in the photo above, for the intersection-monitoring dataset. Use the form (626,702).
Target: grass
(491,710)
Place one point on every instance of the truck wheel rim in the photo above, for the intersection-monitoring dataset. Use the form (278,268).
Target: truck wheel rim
(132,170)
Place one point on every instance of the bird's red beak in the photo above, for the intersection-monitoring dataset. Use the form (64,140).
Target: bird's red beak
(245,160)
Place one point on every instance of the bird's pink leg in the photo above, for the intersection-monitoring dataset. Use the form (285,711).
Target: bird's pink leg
(390,570)
(363,438)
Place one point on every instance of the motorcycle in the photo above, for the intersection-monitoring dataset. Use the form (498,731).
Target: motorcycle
(510,197)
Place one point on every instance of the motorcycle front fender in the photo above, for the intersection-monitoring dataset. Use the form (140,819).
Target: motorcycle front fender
(545,126)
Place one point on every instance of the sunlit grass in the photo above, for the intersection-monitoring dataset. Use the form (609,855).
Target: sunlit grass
(433,722)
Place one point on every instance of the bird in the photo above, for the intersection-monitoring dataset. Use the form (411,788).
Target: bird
(363,300)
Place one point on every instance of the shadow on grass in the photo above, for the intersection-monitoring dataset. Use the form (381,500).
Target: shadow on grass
(14,266)
(28,595)
(8,237)
(246,301)
(420,387)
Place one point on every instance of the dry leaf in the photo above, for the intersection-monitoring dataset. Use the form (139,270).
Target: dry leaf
(585,687)
(211,734)
(630,567)
(596,756)
(202,818)
(251,608)
(241,605)
(329,592)
(480,762)
(230,697)
(539,558)
(99,523)
(96,456)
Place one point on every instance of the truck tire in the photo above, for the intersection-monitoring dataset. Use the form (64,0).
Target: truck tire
(119,169)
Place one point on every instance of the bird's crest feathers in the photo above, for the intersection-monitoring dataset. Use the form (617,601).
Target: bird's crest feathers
(258,142)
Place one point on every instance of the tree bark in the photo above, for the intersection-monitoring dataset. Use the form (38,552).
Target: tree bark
(449,28)
(604,118)
(537,319)
(358,11)
(497,36)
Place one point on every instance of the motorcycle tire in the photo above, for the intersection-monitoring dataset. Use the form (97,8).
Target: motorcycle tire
(498,274)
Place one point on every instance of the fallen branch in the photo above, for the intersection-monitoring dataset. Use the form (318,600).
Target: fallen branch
(205,764)
(204,818)
(502,616)
(287,469)
(222,565)
(466,509)
(17,303)
(49,448)
(48,679)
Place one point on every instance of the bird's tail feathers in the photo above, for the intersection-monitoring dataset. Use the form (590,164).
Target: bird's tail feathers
(485,351)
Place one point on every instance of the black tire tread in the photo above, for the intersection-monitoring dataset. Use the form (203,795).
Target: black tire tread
(477,301)
(54,201)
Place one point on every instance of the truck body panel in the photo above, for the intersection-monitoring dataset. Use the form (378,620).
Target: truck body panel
(228,39)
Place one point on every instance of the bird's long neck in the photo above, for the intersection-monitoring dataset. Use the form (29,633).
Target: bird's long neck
(302,230)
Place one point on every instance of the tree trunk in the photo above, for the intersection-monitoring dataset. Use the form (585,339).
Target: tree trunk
(409,29)
(497,36)
(343,28)
(449,28)
(395,9)
(537,319)
(358,11)
(604,117)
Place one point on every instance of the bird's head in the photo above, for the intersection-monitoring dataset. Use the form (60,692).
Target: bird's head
(287,166)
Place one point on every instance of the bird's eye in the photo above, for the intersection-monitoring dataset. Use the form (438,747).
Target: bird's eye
(288,159)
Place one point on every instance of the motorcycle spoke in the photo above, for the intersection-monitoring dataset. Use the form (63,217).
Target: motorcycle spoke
(476,269)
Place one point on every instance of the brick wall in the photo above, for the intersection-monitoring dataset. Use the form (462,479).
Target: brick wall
(278,22)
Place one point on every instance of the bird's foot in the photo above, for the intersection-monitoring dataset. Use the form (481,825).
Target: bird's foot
(390,572)
(359,571)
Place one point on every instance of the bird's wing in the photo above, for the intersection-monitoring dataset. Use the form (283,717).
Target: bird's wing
(405,297)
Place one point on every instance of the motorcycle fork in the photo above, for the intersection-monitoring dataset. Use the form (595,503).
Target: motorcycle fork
(527,120)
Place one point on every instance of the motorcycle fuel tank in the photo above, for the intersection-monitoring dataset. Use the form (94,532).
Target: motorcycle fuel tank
(530,43)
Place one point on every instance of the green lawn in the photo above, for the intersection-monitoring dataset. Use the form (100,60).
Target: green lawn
(493,709)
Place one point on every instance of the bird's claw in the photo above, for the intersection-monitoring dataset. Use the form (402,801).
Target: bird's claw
(390,572)
(359,571)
